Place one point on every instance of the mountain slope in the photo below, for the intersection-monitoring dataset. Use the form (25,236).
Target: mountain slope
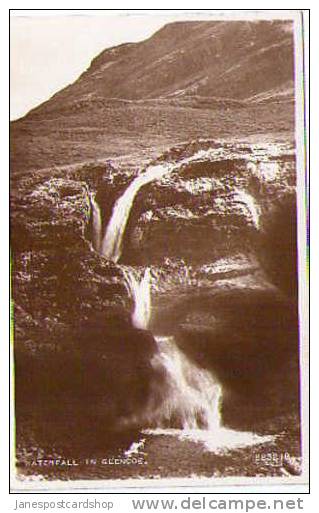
(189,80)
(225,59)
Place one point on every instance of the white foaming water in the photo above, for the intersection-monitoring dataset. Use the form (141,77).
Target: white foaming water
(140,292)
(190,395)
(97,223)
(218,441)
(186,395)
(111,246)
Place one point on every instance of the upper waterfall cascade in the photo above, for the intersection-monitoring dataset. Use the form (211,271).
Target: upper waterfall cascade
(111,246)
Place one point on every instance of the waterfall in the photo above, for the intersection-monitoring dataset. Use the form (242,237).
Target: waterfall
(140,292)
(111,245)
(112,242)
(185,400)
(189,395)
(96,223)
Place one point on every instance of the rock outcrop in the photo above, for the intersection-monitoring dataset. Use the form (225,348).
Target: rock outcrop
(203,229)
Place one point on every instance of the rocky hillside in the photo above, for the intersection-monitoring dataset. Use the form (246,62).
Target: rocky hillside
(237,60)
(189,80)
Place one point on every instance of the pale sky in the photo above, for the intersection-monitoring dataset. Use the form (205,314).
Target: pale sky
(50,51)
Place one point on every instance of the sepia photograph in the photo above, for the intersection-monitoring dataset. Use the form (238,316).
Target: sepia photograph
(158,249)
